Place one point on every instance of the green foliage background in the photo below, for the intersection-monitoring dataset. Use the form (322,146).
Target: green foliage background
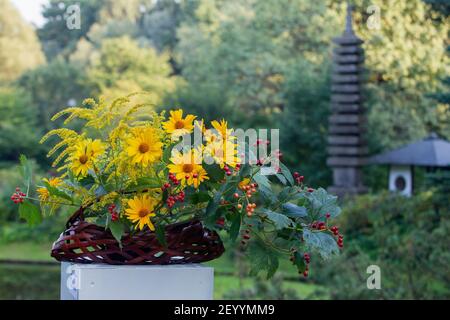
(258,63)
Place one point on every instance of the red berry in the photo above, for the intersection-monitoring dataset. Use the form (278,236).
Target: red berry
(236,195)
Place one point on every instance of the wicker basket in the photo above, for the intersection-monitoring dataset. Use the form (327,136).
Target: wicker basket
(187,242)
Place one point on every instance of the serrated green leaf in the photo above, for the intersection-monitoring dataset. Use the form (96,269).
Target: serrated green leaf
(293,210)
(324,203)
(262,258)
(287,174)
(281,178)
(30,213)
(280,220)
(321,242)
(262,180)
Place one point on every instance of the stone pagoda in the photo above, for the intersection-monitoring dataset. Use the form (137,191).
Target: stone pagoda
(347,148)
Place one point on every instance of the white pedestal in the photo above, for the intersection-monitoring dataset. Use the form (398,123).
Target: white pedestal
(109,282)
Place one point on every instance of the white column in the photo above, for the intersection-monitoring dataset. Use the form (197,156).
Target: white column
(110,282)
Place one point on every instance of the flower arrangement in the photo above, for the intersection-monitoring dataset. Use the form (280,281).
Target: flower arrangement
(126,173)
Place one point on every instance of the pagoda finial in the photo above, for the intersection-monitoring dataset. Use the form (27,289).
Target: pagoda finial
(349,22)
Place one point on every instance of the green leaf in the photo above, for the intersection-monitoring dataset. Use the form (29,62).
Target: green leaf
(25,170)
(262,180)
(235,226)
(321,242)
(213,204)
(280,220)
(281,178)
(30,213)
(56,192)
(299,262)
(168,153)
(144,183)
(160,233)
(244,171)
(117,229)
(263,258)
(324,203)
(215,173)
(267,194)
(287,173)
(293,210)
(199,197)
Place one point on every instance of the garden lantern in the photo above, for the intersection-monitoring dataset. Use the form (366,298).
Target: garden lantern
(431,153)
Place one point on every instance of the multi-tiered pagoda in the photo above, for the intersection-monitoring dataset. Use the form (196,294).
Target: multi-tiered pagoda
(346,145)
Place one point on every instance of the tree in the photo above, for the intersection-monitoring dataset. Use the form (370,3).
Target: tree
(19,47)
(122,67)
(19,132)
(245,49)
(406,57)
(56,37)
(53,87)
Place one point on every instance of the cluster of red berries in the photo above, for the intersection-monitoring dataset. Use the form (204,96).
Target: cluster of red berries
(307,259)
(250,189)
(246,234)
(114,214)
(340,241)
(173,179)
(319,225)
(227,170)
(179,197)
(298,178)
(18,196)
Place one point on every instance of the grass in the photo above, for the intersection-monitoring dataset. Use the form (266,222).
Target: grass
(42,282)
(26,251)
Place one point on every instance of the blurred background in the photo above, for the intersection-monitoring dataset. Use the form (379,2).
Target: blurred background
(258,63)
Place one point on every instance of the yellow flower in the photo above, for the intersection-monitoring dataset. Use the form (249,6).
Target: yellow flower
(222,129)
(188,169)
(43,194)
(144,147)
(140,210)
(223,152)
(53,182)
(85,154)
(177,125)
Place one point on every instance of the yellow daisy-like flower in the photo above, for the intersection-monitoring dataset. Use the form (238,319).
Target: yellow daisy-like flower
(53,182)
(145,146)
(222,129)
(140,210)
(178,126)
(224,152)
(84,156)
(43,194)
(188,169)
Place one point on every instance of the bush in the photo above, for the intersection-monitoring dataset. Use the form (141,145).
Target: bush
(406,237)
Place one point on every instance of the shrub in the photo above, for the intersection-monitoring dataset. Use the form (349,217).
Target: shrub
(405,237)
